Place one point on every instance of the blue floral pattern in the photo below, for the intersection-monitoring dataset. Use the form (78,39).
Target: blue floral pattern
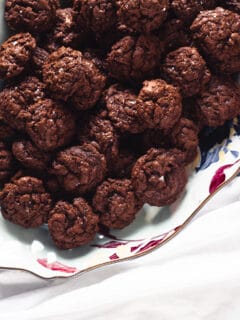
(211,146)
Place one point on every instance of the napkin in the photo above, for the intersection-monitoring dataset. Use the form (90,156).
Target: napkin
(194,276)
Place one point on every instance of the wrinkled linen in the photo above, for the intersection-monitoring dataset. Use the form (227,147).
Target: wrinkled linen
(194,276)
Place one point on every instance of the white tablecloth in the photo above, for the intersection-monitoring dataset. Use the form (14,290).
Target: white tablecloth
(194,276)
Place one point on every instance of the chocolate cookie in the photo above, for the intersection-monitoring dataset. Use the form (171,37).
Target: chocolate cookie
(66,32)
(159,105)
(97,16)
(25,202)
(122,108)
(217,32)
(15,102)
(80,169)
(134,58)
(62,72)
(51,125)
(141,16)
(219,102)
(90,86)
(187,10)
(116,203)
(31,15)
(15,53)
(186,69)
(159,177)
(72,225)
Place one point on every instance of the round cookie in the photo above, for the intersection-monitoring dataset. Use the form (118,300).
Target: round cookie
(72,225)
(217,33)
(141,16)
(65,31)
(187,10)
(90,87)
(62,72)
(34,16)
(116,203)
(159,105)
(186,69)
(25,202)
(51,125)
(15,102)
(122,108)
(97,16)
(159,177)
(80,169)
(15,53)
(134,58)
(219,102)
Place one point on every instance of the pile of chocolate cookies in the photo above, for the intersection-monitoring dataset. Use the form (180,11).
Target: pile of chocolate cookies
(103,104)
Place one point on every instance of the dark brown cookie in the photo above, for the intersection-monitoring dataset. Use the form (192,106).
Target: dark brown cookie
(134,58)
(97,16)
(51,125)
(122,108)
(100,129)
(159,177)
(186,69)
(187,10)
(66,32)
(184,136)
(15,102)
(62,72)
(6,162)
(159,105)
(30,156)
(116,203)
(15,53)
(25,202)
(219,102)
(72,225)
(80,169)
(90,87)
(31,15)
(217,32)
(141,16)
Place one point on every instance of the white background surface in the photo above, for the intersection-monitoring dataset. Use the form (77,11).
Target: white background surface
(194,276)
